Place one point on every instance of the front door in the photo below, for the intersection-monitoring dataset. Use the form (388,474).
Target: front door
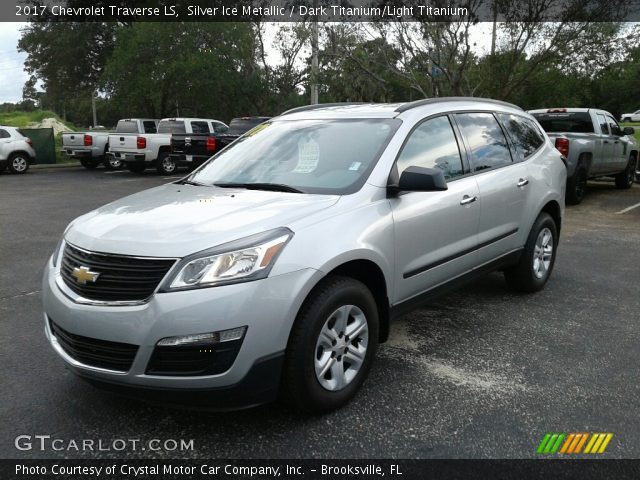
(435,232)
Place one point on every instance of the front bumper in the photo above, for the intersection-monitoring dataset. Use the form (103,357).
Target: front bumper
(266,307)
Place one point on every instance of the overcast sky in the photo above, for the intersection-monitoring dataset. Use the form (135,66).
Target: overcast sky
(12,75)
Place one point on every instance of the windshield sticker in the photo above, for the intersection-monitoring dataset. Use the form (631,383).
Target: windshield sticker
(355,166)
(308,156)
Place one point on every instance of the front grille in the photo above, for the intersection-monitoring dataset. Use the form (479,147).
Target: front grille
(121,278)
(94,352)
(181,361)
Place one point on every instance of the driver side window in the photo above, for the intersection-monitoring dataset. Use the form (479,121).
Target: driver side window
(432,145)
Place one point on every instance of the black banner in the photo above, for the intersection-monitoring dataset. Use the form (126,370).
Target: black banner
(320,10)
(583,469)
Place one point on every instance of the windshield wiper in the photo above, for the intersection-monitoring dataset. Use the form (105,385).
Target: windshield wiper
(274,187)
(186,181)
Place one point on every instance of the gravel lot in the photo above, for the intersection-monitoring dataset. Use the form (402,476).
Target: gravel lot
(480,373)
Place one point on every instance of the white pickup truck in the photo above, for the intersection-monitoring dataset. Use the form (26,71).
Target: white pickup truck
(143,151)
(593,144)
(92,147)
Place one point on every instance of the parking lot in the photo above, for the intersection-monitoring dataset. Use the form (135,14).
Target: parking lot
(480,373)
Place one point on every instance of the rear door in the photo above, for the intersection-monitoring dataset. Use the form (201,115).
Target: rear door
(502,182)
(436,232)
(619,155)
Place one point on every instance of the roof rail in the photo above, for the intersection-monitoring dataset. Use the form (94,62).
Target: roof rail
(319,105)
(429,101)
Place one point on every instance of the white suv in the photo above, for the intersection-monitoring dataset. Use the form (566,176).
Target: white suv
(16,150)
(279,265)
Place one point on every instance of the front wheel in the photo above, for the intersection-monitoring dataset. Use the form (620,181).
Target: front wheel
(331,346)
(18,163)
(537,259)
(166,165)
(624,179)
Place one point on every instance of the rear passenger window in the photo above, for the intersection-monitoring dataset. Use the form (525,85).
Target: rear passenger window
(524,134)
(199,127)
(149,127)
(485,139)
(4,134)
(603,124)
(432,145)
(219,127)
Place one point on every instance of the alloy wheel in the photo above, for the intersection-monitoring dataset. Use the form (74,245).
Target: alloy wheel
(543,253)
(341,347)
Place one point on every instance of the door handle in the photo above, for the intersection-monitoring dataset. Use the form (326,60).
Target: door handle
(605,141)
(522,182)
(466,200)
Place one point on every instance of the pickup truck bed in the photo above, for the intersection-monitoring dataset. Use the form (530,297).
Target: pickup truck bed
(593,144)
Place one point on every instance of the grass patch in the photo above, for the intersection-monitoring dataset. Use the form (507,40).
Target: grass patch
(635,125)
(23,119)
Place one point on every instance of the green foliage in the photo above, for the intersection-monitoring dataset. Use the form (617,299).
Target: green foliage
(22,119)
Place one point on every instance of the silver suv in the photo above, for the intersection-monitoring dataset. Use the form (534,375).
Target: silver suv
(278,266)
(16,150)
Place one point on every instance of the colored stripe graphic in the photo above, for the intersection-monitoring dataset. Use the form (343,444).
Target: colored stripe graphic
(573,443)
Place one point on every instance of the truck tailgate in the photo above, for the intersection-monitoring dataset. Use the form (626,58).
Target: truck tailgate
(190,144)
(123,142)
(74,139)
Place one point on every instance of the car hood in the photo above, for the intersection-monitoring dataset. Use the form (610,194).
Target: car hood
(178,220)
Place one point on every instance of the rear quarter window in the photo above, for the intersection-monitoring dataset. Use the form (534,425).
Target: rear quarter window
(524,134)
(4,133)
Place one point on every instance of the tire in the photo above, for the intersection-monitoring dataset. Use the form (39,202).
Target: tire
(166,166)
(624,179)
(89,164)
(136,167)
(18,163)
(309,350)
(576,186)
(626,119)
(112,163)
(537,260)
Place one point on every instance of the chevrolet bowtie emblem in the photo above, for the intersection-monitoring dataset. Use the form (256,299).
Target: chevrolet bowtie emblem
(84,275)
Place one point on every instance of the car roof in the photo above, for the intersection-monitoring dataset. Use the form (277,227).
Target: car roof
(393,110)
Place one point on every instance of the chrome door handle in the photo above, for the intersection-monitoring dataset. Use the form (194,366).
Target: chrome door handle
(466,200)
(522,182)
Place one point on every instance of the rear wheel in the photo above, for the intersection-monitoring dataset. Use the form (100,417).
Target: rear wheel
(624,179)
(89,163)
(537,259)
(166,165)
(626,119)
(18,163)
(332,345)
(136,167)
(577,186)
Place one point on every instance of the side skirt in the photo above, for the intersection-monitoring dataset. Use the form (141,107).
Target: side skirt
(412,303)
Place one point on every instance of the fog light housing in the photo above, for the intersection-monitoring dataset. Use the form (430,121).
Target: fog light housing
(211,338)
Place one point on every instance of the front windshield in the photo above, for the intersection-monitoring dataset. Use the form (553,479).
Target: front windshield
(313,156)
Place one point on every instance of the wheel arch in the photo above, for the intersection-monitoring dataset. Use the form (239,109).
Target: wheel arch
(18,152)
(552,207)
(372,276)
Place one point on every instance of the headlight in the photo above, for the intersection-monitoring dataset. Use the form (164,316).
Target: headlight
(57,253)
(243,260)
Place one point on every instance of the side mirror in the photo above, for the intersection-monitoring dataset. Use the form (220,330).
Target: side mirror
(628,130)
(420,179)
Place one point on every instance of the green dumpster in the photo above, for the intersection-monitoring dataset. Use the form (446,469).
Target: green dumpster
(43,143)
